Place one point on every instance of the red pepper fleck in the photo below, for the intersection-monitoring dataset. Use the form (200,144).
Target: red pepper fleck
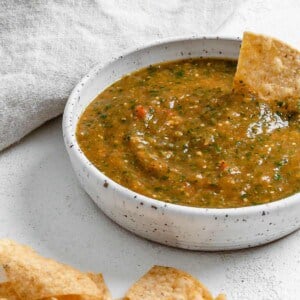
(140,112)
(223,165)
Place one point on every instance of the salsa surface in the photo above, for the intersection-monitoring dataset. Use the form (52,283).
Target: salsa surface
(175,132)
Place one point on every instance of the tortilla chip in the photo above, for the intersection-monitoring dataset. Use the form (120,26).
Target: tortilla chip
(73,297)
(100,283)
(7,291)
(34,277)
(270,70)
(165,283)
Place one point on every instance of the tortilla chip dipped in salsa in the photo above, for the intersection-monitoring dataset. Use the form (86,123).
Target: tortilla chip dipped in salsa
(31,277)
(270,70)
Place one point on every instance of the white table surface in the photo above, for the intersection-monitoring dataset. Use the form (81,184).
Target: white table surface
(41,204)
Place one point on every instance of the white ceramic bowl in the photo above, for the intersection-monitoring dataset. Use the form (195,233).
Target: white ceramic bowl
(170,224)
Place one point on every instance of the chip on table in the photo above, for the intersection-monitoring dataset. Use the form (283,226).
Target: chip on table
(166,283)
(31,277)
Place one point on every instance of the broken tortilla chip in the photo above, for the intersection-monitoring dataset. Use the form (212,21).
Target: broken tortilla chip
(34,277)
(269,69)
(165,283)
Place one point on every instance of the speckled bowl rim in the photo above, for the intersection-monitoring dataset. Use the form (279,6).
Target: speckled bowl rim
(72,145)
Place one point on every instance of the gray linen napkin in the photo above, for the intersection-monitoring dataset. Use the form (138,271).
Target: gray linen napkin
(47,46)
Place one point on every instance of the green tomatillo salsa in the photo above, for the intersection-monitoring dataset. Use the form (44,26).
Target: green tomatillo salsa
(175,132)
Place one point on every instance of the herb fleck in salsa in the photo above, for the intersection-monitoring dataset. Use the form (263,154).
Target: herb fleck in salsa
(175,132)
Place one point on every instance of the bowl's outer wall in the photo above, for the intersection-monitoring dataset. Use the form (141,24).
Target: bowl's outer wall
(197,229)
